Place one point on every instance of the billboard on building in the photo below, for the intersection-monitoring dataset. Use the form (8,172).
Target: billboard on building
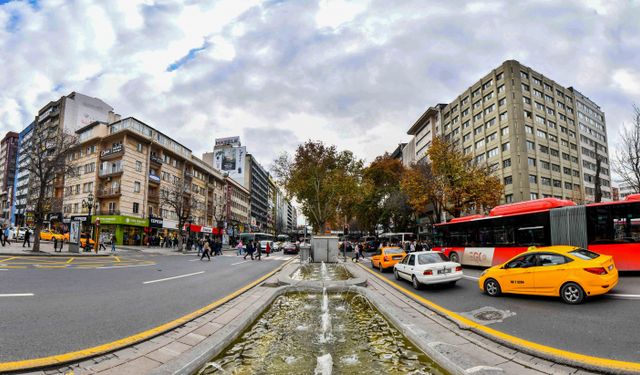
(230,160)
(228,141)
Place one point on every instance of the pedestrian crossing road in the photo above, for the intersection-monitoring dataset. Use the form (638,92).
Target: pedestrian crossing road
(39,262)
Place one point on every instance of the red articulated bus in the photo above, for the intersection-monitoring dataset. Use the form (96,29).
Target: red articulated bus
(611,228)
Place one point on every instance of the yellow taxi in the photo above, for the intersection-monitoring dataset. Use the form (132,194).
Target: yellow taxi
(49,235)
(387,257)
(83,239)
(570,272)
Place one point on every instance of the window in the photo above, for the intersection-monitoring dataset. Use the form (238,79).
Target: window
(477,117)
(566,156)
(537,93)
(467,150)
(505,147)
(89,168)
(540,120)
(476,93)
(136,207)
(465,112)
(465,100)
(553,138)
(525,87)
(524,75)
(554,152)
(552,260)
(504,131)
(503,116)
(555,167)
(613,224)
(488,97)
(533,179)
(493,152)
(508,198)
(543,149)
(536,81)
(479,158)
(568,185)
(526,100)
(492,137)
(502,102)
(478,130)
(564,142)
(531,146)
(479,144)
(528,129)
(540,106)
(489,109)
(545,165)
(508,180)
(551,124)
(487,85)
(500,89)
(545,181)
(139,147)
(466,137)
(566,170)
(490,123)
(499,76)
(541,134)
(551,111)
(557,183)
(138,166)
(506,163)
(533,196)
(527,114)
(466,124)
(136,187)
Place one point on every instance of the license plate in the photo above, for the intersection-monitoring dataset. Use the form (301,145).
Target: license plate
(446,270)
(610,267)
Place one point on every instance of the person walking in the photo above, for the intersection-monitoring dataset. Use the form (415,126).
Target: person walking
(240,248)
(258,250)
(267,249)
(55,244)
(205,251)
(249,250)
(27,238)
(7,234)
(356,253)
(113,243)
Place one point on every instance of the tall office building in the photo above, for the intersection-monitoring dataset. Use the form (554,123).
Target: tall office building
(541,138)
(8,151)
(20,217)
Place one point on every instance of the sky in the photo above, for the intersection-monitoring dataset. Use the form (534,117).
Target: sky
(356,74)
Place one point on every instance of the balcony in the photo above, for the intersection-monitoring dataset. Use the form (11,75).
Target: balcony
(188,175)
(156,160)
(154,197)
(108,192)
(153,179)
(110,172)
(107,212)
(112,153)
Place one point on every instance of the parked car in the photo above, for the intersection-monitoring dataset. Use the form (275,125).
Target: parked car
(18,233)
(290,248)
(427,267)
(48,235)
(387,257)
(83,240)
(570,272)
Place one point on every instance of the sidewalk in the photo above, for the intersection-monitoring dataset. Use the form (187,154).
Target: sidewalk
(46,249)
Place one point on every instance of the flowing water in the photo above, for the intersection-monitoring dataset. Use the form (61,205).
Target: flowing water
(319,272)
(321,333)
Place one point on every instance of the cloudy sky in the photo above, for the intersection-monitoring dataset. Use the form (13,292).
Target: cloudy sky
(352,73)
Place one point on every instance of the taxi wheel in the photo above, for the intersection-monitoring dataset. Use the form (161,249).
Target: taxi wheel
(454,257)
(572,293)
(492,287)
(395,273)
(414,281)
(380,267)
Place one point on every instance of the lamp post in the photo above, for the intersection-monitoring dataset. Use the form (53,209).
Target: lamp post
(89,204)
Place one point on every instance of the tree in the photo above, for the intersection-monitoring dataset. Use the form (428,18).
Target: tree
(177,197)
(48,152)
(627,158)
(322,179)
(424,190)
(466,185)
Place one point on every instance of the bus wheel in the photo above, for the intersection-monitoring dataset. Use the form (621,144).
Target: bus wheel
(454,257)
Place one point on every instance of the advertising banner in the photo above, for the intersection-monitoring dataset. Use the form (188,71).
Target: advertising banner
(230,160)
(228,141)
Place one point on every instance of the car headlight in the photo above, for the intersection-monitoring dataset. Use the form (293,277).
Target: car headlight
(484,272)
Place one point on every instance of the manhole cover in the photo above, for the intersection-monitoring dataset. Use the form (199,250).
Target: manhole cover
(488,315)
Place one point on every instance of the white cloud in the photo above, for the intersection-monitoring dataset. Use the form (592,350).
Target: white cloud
(627,80)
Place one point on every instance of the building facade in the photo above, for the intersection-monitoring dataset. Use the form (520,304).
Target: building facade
(21,180)
(8,152)
(529,130)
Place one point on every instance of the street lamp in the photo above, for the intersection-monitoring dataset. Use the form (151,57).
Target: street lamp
(89,204)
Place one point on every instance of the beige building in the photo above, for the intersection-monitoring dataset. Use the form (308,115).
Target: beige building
(126,165)
(538,136)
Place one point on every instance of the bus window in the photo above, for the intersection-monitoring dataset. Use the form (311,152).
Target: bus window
(531,236)
(614,224)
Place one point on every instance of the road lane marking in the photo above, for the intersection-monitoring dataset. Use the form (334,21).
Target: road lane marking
(129,266)
(17,295)
(471,277)
(623,296)
(58,359)
(117,259)
(173,277)
(3,269)
(193,260)
(4,260)
(244,261)
(517,342)
(70,260)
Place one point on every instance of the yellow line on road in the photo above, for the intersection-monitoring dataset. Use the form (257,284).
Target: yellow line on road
(4,260)
(610,364)
(70,260)
(117,259)
(131,340)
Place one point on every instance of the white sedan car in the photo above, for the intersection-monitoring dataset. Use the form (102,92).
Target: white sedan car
(427,267)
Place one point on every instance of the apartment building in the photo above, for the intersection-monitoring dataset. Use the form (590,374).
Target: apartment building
(422,133)
(128,167)
(8,151)
(21,180)
(238,207)
(535,134)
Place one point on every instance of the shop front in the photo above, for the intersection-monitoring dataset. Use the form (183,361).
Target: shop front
(127,229)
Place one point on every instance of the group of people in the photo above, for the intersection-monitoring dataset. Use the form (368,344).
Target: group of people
(159,240)
(208,245)
(253,247)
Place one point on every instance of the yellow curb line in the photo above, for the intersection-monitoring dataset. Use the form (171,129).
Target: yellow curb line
(134,339)
(70,260)
(516,341)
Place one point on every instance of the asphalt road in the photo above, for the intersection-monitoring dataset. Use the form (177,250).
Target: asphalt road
(601,326)
(76,308)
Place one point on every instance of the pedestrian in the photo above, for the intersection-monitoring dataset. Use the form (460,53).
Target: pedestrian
(240,248)
(27,238)
(113,243)
(55,244)
(2,239)
(205,251)
(412,247)
(249,250)
(7,234)
(267,249)
(356,254)
(258,250)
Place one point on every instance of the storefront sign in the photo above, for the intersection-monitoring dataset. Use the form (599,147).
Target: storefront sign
(155,222)
(54,216)
(124,220)
(169,224)
(81,218)
(206,230)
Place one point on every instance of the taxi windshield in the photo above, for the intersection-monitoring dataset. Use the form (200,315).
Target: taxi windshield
(584,254)
(393,250)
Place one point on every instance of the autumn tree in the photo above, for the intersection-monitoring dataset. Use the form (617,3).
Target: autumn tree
(466,185)
(627,158)
(177,198)
(424,190)
(47,152)
(323,180)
